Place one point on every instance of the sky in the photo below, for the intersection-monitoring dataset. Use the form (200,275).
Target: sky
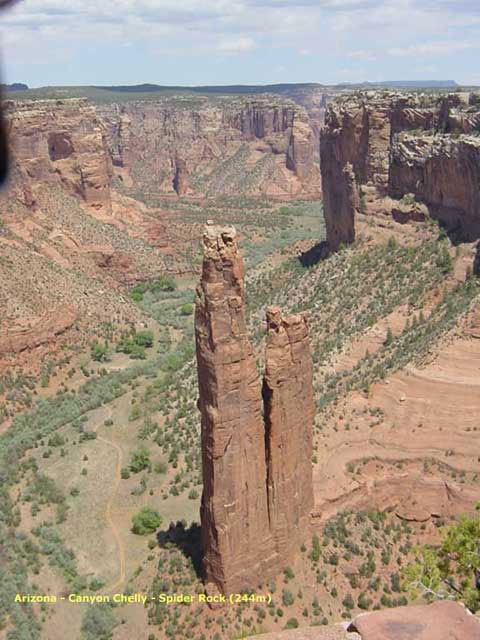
(196,42)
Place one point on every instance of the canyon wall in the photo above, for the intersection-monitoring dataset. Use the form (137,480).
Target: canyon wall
(378,147)
(57,142)
(262,146)
(257,477)
(179,146)
(444,173)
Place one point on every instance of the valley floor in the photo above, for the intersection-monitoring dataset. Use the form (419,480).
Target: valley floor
(97,435)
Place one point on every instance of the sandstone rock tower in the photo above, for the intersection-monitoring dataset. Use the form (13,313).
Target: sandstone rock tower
(289,410)
(257,492)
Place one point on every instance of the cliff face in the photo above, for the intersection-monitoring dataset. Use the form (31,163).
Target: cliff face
(58,142)
(257,478)
(289,412)
(262,146)
(227,147)
(235,530)
(343,152)
(444,173)
(397,145)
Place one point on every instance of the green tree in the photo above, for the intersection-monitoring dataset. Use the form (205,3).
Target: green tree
(140,460)
(444,261)
(450,570)
(287,598)
(144,338)
(392,243)
(186,309)
(389,339)
(147,520)
(315,548)
(292,623)
(99,352)
(348,602)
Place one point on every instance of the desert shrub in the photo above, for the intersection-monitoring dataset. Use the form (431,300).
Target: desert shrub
(292,623)
(186,309)
(140,460)
(147,520)
(98,622)
(99,352)
(160,467)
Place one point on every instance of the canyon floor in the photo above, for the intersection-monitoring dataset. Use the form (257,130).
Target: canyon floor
(100,434)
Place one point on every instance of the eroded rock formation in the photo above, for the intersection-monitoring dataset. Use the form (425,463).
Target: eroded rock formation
(42,330)
(441,620)
(391,146)
(235,531)
(289,411)
(257,490)
(58,142)
(444,173)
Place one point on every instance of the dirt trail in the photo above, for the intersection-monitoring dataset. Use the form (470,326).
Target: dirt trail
(108,512)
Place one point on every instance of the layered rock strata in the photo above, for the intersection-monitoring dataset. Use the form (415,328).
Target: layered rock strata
(378,148)
(441,620)
(263,146)
(444,173)
(257,476)
(58,142)
(43,330)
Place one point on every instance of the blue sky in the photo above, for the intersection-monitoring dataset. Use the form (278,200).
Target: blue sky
(45,42)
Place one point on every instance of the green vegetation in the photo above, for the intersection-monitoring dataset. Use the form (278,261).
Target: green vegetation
(140,460)
(98,622)
(135,343)
(165,283)
(100,352)
(450,569)
(186,309)
(146,521)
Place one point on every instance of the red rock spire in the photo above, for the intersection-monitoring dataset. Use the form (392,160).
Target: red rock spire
(257,476)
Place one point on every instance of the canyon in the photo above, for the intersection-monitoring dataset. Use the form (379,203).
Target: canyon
(262,146)
(58,142)
(330,416)
(80,172)
(257,478)
(409,156)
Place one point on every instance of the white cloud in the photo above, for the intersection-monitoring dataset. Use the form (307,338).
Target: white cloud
(375,34)
(236,45)
(432,48)
(361,54)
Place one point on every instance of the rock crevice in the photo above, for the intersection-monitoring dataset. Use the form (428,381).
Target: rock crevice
(257,492)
